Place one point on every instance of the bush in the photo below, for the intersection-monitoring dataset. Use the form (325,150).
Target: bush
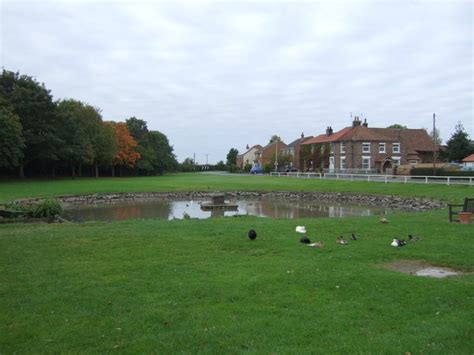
(267,168)
(46,208)
(439,172)
(247,167)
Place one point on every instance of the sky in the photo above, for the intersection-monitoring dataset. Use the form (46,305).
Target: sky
(213,75)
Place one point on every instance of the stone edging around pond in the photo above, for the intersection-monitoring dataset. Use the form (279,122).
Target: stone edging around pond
(391,202)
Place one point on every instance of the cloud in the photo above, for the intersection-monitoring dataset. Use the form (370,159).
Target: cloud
(216,75)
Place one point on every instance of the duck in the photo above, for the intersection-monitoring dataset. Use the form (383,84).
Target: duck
(353,237)
(305,240)
(384,220)
(341,240)
(398,242)
(412,238)
(319,244)
(300,229)
(252,234)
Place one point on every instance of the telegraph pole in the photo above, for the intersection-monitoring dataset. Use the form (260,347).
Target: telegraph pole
(434,144)
(194,162)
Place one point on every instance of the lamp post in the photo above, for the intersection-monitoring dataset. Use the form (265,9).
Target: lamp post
(434,144)
(276,155)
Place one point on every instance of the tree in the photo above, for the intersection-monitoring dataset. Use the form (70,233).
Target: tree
(138,129)
(80,124)
(12,142)
(232,158)
(398,126)
(104,147)
(274,138)
(34,106)
(187,165)
(458,146)
(125,154)
(436,136)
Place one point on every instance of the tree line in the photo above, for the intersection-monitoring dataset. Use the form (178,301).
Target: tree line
(41,136)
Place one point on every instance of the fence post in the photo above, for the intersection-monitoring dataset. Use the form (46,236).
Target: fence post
(426,179)
(352,177)
(405,179)
(448,180)
(337,176)
(470,181)
(368,177)
(386,179)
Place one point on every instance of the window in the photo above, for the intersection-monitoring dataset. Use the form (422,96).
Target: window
(413,162)
(381,147)
(365,147)
(366,163)
(343,163)
(331,149)
(396,161)
(396,148)
(343,147)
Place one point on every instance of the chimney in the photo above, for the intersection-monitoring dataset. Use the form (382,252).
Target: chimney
(302,135)
(365,124)
(247,147)
(356,121)
(328,131)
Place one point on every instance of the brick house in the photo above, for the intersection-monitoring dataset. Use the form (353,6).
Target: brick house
(364,149)
(292,151)
(248,157)
(267,154)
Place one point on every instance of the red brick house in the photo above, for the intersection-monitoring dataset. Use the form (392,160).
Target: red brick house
(364,149)
(267,154)
(292,151)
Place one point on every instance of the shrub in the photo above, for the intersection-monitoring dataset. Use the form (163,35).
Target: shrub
(439,172)
(46,208)
(267,168)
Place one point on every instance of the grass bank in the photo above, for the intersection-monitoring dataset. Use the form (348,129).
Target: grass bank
(201,286)
(10,190)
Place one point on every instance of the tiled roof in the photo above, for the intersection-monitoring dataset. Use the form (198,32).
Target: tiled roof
(257,146)
(323,138)
(469,159)
(299,140)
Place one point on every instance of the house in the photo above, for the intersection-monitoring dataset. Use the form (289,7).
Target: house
(248,157)
(267,154)
(362,149)
(468,162)
(292,152)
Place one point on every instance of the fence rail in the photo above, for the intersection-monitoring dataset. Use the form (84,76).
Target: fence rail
(442,180)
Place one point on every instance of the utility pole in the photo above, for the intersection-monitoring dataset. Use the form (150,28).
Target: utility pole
(434,144)
(207,166)
(194,162)
(276,155)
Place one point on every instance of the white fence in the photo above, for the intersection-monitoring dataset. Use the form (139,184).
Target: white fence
(443,180)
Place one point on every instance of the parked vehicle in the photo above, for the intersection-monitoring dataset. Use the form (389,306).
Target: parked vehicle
(256,170)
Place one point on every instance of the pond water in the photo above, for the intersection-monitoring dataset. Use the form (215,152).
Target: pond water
(163,209)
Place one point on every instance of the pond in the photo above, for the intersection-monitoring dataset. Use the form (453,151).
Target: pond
(165,209)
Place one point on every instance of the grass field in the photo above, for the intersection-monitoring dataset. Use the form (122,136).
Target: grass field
(200,286)
(10,190)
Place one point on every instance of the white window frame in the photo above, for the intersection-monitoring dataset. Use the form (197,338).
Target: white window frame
(396,161)
(396,148)
(413,162)
(382,148)
(343,147)
(368,158)
(342,163)
(364,145)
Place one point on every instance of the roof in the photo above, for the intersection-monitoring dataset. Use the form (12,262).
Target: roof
(270,144)
(256,146)
(298,141)
(415,140)
(324,138)
(469,159)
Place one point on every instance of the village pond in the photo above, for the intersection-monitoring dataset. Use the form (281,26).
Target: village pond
(179,209)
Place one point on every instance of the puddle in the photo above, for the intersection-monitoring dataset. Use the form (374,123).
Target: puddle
(421,268)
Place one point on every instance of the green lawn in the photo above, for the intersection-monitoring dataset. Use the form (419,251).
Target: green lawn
(10,190)
(200,286)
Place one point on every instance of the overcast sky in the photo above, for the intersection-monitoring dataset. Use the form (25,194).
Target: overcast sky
(216,75)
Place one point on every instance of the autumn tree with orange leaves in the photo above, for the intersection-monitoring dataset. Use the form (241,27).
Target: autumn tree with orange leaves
(126,154)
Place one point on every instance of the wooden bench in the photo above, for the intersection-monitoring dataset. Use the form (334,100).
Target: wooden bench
(467,206)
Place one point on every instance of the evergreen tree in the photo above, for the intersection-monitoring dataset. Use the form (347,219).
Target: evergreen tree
(458,146)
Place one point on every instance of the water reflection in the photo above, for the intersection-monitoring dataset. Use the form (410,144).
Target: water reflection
(274,208)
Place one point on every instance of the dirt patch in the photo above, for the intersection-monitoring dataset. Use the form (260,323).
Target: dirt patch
(421,268)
